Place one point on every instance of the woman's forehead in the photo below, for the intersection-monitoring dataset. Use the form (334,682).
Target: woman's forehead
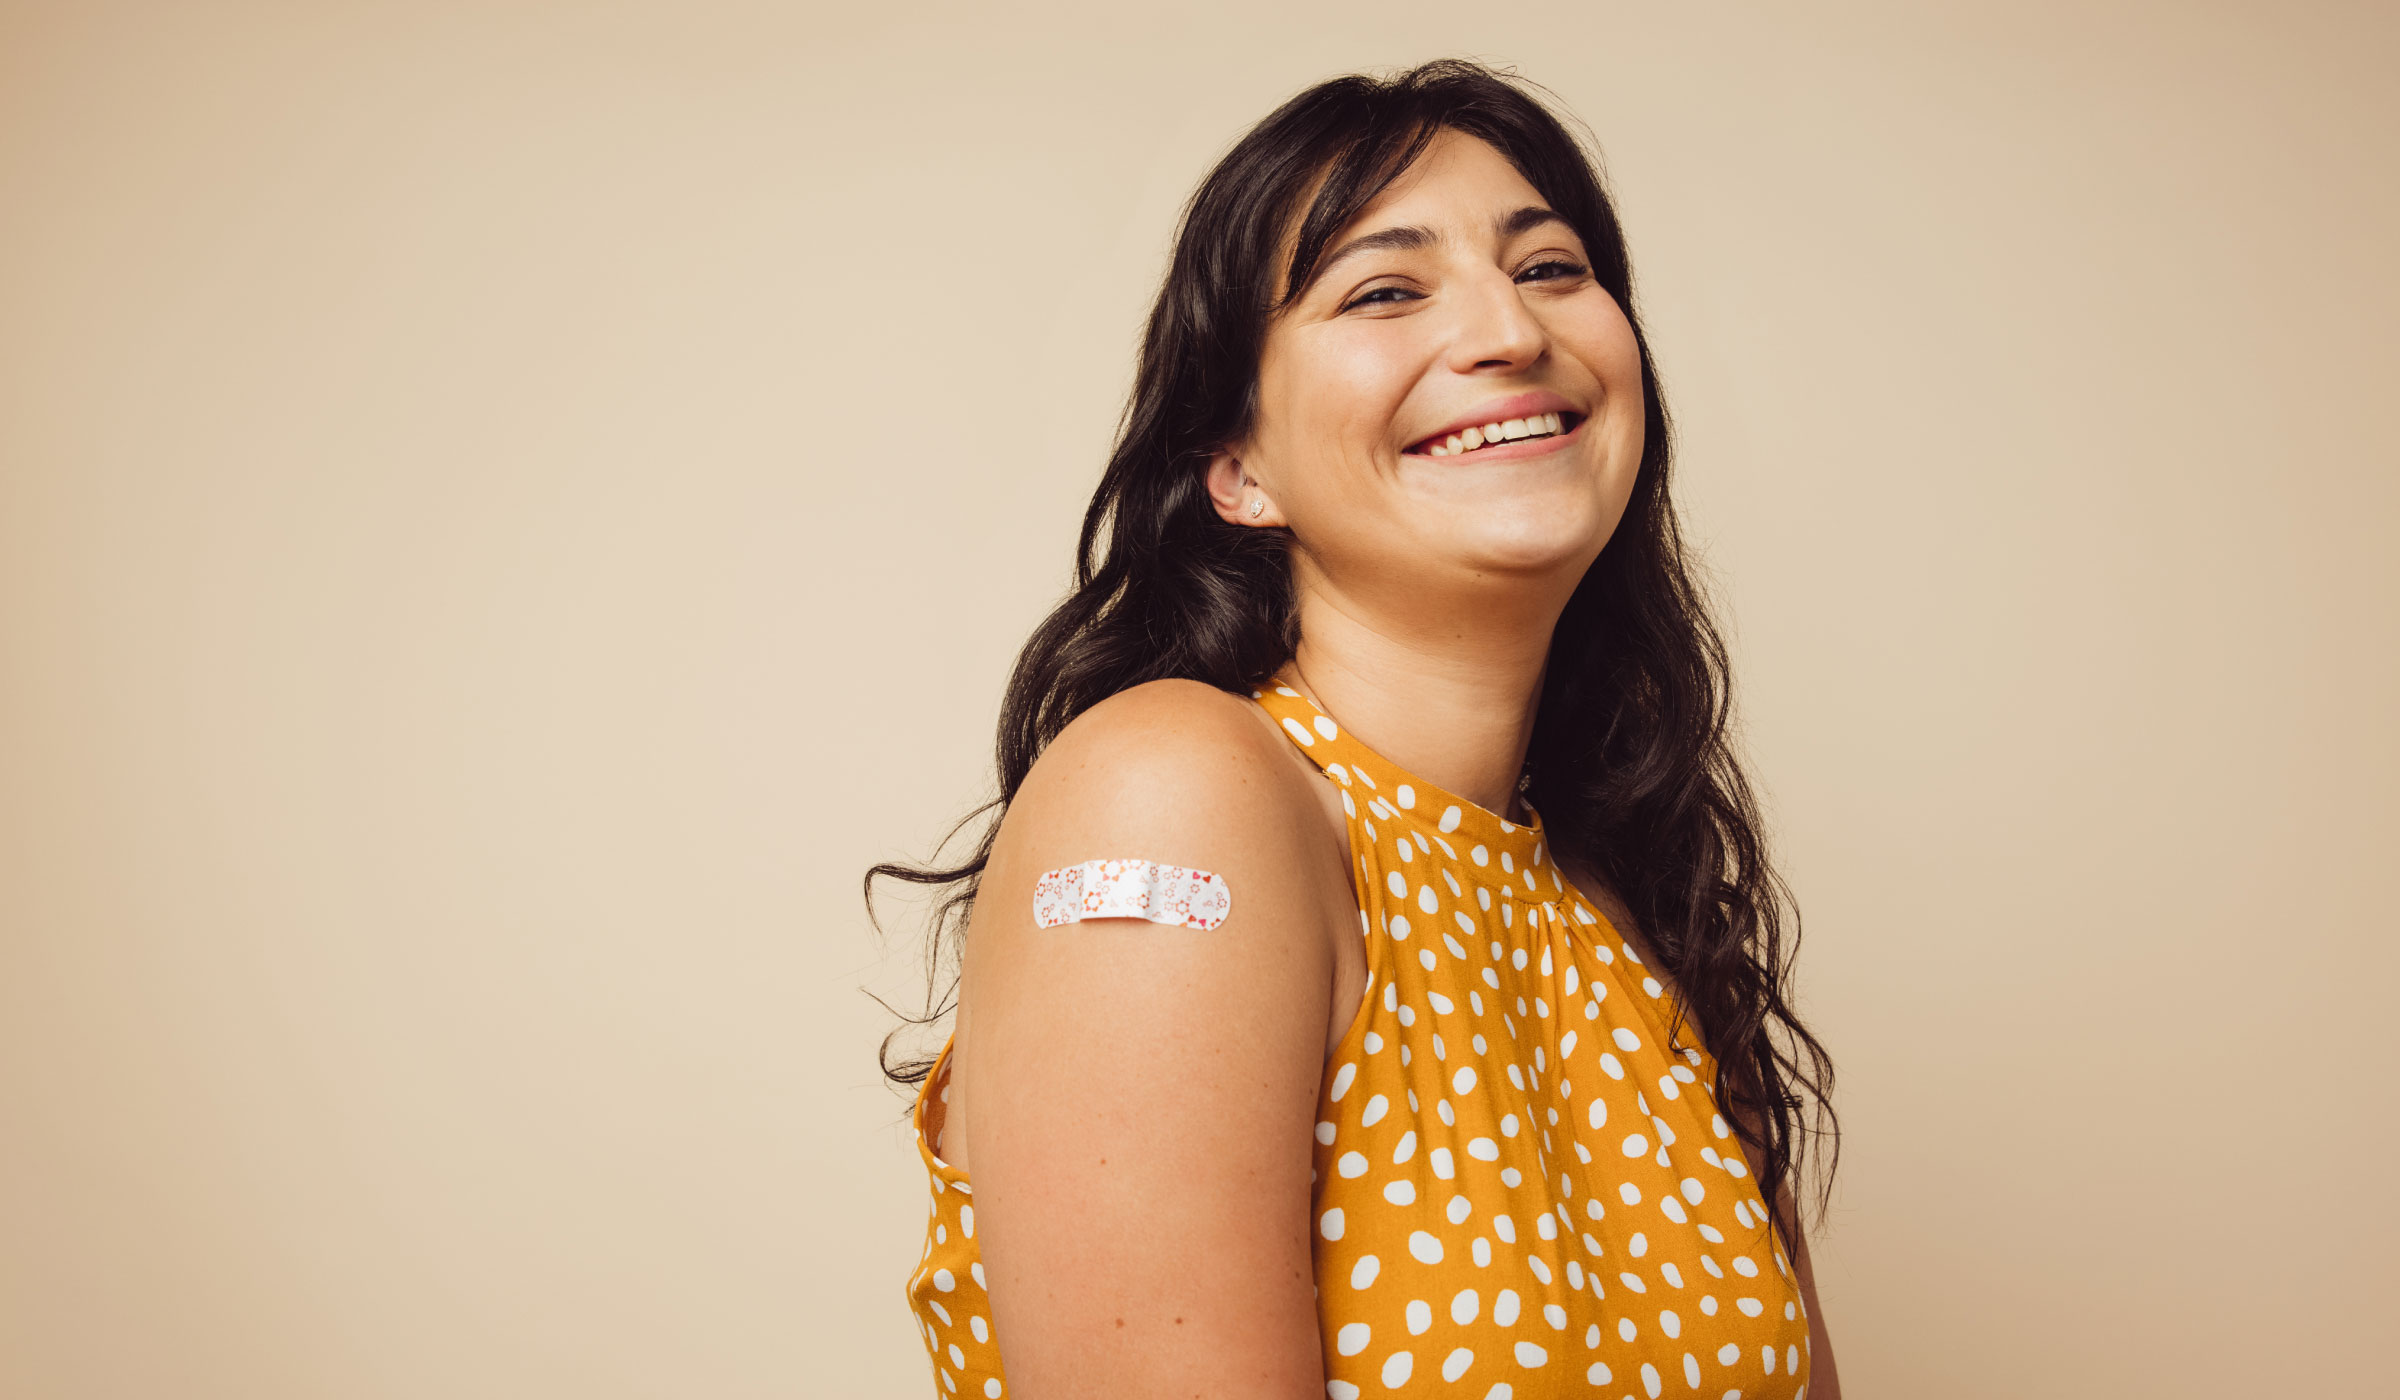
(1454,167)
(1460,187)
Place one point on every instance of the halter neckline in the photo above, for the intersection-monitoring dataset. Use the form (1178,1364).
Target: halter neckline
(1375,789)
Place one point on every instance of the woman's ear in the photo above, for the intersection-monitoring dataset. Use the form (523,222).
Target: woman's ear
(1239,499)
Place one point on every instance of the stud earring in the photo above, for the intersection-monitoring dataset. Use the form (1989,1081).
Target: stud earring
(1257,508)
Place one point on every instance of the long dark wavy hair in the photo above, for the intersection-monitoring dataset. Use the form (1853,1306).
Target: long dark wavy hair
(1631,762)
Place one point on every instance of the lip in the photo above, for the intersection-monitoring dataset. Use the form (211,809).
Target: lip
(1500,410)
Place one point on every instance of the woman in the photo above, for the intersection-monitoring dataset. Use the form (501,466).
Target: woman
(1373,982)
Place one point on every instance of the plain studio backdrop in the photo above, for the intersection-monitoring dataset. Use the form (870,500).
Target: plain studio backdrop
(506,509)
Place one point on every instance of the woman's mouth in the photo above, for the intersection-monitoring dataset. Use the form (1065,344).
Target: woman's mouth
(1468,441)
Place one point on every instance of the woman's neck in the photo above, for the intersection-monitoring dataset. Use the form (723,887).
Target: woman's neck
(1454,705)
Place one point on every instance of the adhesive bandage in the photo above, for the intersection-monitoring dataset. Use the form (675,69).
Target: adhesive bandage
(1132,889)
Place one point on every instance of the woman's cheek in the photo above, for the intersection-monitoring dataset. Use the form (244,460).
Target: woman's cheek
(1370,370)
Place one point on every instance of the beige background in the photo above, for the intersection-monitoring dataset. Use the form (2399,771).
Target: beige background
(505,509)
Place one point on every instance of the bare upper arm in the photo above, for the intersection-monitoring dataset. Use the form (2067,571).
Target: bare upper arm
(1143,1094)
(1824,1380)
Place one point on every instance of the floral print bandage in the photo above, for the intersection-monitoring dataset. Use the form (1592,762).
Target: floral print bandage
(1132,889)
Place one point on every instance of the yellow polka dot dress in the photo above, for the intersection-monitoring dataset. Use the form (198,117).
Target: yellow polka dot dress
(1522,1191)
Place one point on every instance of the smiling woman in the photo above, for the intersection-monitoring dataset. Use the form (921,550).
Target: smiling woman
(1374,974)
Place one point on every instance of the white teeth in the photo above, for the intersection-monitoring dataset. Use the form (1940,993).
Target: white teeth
(1508,430)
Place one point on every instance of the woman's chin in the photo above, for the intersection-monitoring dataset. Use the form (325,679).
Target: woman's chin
(1545,539)
(1519,518)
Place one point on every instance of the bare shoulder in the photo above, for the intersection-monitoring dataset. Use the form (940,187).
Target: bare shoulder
(1131,1081)
(1178,773)
(1168,753)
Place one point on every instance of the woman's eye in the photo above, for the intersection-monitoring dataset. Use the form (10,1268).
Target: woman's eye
(1374,296)
(1551,269)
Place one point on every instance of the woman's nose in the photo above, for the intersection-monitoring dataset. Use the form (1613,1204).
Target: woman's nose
(1496,329)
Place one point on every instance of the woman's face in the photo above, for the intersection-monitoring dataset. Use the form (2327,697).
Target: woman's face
(1455,302)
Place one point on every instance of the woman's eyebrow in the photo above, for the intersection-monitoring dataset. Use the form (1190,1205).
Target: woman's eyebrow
(1532,216)
(1410,238)
(1406,239)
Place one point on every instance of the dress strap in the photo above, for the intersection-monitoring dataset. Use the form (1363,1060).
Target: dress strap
(1386,798)
(1315,734)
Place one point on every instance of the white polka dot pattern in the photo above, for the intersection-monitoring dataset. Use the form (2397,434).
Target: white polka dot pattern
(1132,889)
(1523,1190)
(946,1292)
